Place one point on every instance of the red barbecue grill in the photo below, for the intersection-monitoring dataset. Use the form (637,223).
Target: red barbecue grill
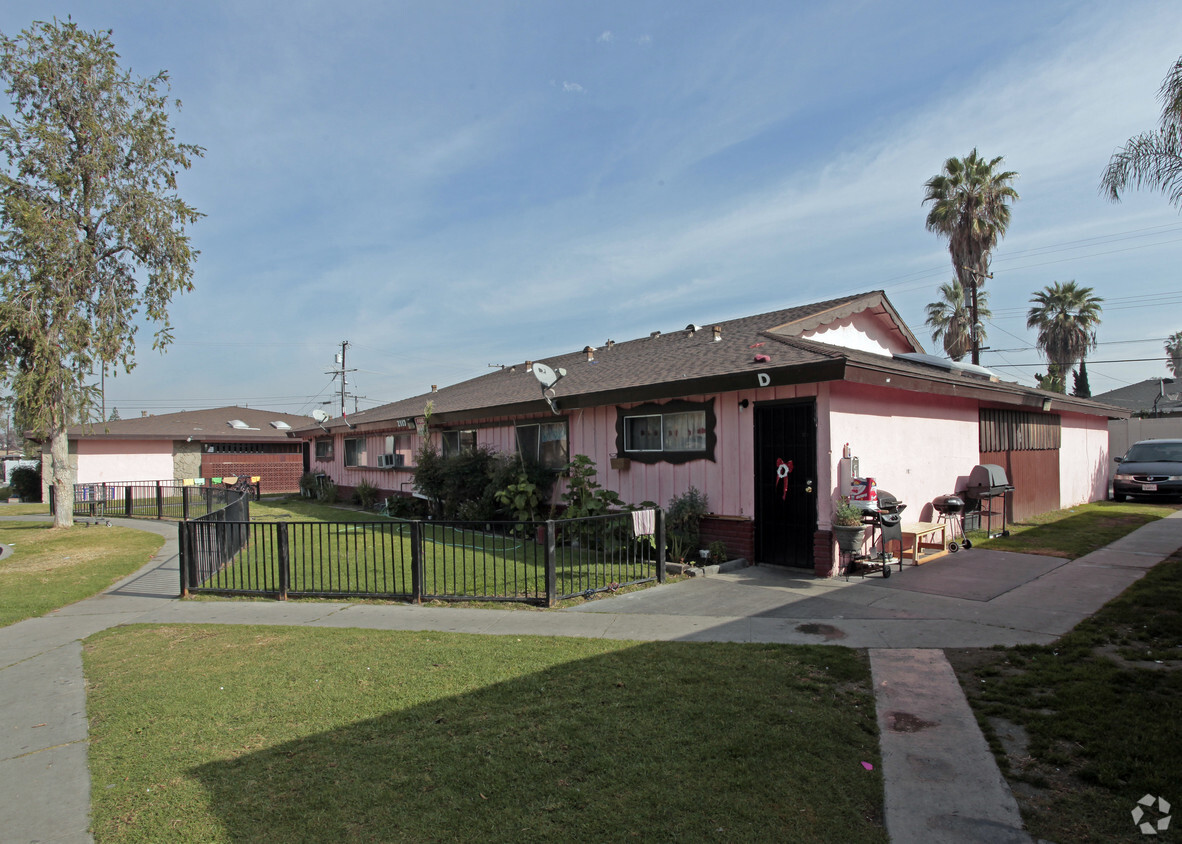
(951,509)
(988,481)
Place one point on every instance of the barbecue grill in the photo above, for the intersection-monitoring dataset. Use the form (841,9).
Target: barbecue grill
(988,481)
(886,525)
(951,509)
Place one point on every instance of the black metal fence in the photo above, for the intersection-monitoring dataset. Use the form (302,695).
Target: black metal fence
(532,562)
(210,542)
(150,499)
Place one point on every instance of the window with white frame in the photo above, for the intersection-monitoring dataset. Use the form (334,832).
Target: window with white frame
(544,443)
(457,442)
(355,451)
(399,447)
(675,432)
(324,448)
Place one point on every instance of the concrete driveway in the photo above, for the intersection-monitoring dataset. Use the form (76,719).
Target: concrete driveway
(974,598)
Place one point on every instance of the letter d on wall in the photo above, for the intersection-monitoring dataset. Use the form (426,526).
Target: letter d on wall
(764,379)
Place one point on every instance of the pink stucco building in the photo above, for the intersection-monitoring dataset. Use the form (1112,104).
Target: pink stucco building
(755,412)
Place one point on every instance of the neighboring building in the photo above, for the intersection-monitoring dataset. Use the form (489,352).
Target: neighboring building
(754,412)
(225,441)
(1155,397)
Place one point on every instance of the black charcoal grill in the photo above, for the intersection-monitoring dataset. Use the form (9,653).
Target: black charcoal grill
(951,509)
(886,525)
(988,481)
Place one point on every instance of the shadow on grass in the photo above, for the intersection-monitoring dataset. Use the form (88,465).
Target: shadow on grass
(662,741)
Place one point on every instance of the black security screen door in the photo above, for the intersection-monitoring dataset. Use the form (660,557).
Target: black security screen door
(785,483)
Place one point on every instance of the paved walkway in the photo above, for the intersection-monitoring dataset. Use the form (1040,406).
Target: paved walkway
(941,782)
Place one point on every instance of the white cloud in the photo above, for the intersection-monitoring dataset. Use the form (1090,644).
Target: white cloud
(573,88)
(605,37)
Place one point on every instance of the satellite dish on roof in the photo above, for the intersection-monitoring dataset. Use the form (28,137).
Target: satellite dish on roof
(320,416)
(548,377)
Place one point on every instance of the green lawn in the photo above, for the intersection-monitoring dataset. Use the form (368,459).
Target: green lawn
(282,734)
(51,568)
(346,552)
(1076,531)
(1093,722)
(30,509)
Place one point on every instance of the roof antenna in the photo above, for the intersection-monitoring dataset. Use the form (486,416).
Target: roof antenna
(548,377)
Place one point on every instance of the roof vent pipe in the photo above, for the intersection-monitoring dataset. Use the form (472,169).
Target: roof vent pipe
(654,335)
(435,388)
(609,344)
(692,329)
(529,366)
(589,351)
(717,333)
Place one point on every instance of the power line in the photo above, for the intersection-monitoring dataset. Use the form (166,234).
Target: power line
(1089,361)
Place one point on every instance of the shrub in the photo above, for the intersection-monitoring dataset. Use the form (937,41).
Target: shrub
(327,492)
(681,522)
(846,514)
(309,483)
(366,494)
(466,485)
(584,495)
(522,499)
(26,483)
(718,551)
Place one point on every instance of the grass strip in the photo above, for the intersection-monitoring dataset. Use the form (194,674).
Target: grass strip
(51,568)
(288,735)
(1075,531)
(1087,726)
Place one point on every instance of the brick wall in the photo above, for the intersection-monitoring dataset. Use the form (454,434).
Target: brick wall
(736,532)
(275,476)
(824,553)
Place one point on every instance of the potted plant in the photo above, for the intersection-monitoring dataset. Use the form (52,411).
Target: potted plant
(848,529)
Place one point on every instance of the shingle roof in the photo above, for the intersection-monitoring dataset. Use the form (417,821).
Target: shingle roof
(1141,396)
(203,425)
(682,362)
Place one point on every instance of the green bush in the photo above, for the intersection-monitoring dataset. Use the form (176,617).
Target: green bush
(681,522)
(718,552)
(327,492)
(466,485)
(365,494)
(309,483)
(405,507)
(26,483)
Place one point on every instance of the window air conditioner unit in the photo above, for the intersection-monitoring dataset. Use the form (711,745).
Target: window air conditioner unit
(387,461)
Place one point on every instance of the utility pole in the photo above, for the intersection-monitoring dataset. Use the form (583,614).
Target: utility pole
(341,371)
(977,276)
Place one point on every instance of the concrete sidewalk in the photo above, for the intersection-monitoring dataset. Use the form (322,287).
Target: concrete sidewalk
(974,599)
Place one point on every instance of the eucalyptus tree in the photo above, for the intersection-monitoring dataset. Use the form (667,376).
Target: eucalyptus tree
(1066,316)
(93,238)
(971,199)
(950,319)
(1152,159)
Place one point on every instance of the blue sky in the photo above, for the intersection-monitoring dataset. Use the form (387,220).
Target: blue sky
(453,185)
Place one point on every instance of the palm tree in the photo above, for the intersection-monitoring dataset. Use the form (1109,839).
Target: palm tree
(1066,316)
(1152,159)
(950,319)
(970,206)
(1174,353)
